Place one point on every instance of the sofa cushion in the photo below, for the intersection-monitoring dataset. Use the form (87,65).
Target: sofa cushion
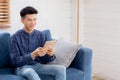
(65,52)
(47,35)
(11,77)
(4,50)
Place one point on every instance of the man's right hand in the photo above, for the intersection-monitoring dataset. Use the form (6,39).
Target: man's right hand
(38,52)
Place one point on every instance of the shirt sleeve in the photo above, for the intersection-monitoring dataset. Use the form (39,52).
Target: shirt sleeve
(45,59)
(16,59)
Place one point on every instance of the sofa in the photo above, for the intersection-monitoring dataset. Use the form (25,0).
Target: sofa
(79,69)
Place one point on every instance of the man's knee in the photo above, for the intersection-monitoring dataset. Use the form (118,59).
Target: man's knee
(27,71)
(59,69)
(60,72)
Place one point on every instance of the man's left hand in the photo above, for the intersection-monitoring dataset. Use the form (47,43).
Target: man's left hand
(50,51)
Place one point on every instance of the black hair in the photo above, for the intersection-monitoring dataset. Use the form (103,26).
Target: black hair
(28,10)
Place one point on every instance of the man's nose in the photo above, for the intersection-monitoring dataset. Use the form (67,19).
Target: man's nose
(32,22)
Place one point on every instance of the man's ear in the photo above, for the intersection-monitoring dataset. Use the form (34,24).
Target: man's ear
(22,20)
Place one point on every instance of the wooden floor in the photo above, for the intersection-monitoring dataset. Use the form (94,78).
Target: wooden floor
(97,78)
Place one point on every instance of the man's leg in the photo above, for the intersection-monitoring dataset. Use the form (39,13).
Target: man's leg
(58,71)
(28,72)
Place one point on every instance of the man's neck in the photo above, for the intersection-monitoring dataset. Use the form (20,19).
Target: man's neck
(28,31)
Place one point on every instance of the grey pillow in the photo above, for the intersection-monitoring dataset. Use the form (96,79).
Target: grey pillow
(65,52)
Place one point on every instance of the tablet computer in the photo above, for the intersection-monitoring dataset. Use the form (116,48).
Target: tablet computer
(50,43)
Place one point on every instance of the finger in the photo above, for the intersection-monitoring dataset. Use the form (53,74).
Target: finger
(40,48)
(49,47)
(41,53)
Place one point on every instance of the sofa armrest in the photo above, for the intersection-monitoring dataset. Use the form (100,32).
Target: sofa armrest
(83,62)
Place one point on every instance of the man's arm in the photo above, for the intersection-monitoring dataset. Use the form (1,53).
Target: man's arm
(45,59)
(16,58)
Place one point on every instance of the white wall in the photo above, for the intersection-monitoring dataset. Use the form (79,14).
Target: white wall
(102,34)
(81,21)
(55,15)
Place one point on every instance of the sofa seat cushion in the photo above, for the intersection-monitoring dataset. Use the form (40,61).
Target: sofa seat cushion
(75,74)
(6,70)
(11,77)
(47,77)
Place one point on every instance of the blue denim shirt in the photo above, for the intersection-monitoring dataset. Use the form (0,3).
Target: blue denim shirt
(22,44)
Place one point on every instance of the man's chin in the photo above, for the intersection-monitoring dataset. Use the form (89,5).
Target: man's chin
(32,30)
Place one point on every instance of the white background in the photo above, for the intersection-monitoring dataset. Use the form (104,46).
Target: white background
(102,34)
(59,16)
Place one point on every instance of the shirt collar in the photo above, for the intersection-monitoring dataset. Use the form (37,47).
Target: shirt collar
(28,34)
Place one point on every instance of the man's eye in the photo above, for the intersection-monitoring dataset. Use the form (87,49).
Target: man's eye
(34,19)
(29,20)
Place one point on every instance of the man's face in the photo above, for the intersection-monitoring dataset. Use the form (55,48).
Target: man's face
(29,22)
